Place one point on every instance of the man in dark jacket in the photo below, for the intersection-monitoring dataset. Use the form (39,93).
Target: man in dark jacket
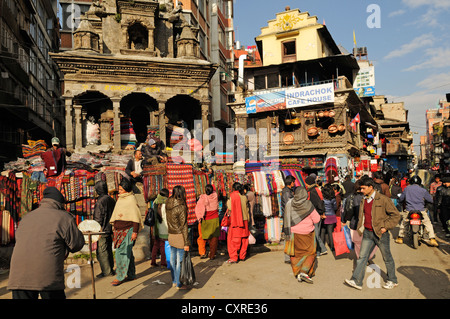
(44,238)
(135,166)
(153,152)
(443,204)
(286,194)
(380,184)
(103,210)
(288,191)
(316,197)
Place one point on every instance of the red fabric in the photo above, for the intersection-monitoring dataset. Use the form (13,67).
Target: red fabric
(368,215)
(238,226)
(52,159)
(235,244)
(212,214)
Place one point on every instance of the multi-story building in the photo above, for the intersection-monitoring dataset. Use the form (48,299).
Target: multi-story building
(214,21)
(30,105)
(397,138)
(435,119)
(304,87)
(135,67)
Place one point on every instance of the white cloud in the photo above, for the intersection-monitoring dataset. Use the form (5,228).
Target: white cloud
(435,81)
(416,43)
(439,4)
(434,58)
(396,13)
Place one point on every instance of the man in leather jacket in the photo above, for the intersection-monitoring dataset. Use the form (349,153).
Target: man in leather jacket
(443,204)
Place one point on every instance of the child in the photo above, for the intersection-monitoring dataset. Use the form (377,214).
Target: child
(161,231)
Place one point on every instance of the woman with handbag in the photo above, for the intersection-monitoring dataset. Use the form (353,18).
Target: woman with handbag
(299,219)
(176,213)
(207,213)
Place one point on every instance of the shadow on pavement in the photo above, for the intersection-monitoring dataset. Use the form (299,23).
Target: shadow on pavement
(427,280)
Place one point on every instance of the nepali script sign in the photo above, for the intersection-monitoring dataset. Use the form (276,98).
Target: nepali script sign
(310,95)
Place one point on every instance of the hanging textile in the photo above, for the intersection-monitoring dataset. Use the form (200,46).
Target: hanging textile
(201,179)
(127,135)
(154,179)
(272,229)
(34,148)
(182,174)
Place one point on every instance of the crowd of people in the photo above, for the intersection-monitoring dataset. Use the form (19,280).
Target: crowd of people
(369,206)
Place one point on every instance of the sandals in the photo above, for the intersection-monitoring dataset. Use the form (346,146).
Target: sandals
(116,282)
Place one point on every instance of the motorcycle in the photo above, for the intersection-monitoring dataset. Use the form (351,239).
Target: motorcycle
(416,227)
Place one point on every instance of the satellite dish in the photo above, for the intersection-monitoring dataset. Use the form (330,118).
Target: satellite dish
(89,225)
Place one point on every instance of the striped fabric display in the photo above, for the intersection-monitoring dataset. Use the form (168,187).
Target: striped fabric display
(182,174)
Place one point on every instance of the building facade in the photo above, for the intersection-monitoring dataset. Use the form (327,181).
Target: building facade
(304,87)
(214,21)
(134,68)
(30,95)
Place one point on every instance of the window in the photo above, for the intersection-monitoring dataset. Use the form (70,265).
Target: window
(273,80)
(289,53)
(201,6)
(260,82)
(138,37)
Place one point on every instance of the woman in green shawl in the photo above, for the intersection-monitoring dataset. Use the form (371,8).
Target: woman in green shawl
(127,223)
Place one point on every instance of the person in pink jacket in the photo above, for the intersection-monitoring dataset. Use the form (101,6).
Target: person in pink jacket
(299,219)
(207,213)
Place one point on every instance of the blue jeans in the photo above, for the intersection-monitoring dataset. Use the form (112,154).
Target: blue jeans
(368,243)
(176,257)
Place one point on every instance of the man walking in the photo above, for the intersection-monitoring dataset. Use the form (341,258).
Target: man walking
(103,210)
(377,215)
(44,238)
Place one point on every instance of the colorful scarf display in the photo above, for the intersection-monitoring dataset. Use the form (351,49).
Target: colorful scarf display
(182,174)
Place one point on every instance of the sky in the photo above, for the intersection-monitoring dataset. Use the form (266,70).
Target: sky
(408,43)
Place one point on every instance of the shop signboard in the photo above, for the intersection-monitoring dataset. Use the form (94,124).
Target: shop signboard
(310,95)
(364,84)
(264,102)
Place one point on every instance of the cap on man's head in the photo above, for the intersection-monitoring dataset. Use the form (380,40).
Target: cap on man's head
(310,180)
(151,142)
(53,193)
(55,141)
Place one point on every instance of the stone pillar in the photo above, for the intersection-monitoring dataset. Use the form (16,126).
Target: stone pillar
(205,121)
(69,123)
(151,39)
(78,128)
(116,138)
(162,120)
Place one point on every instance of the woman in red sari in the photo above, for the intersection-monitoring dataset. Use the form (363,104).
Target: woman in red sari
(237,238)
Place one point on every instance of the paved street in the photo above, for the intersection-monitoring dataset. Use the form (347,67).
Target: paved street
(422,273)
